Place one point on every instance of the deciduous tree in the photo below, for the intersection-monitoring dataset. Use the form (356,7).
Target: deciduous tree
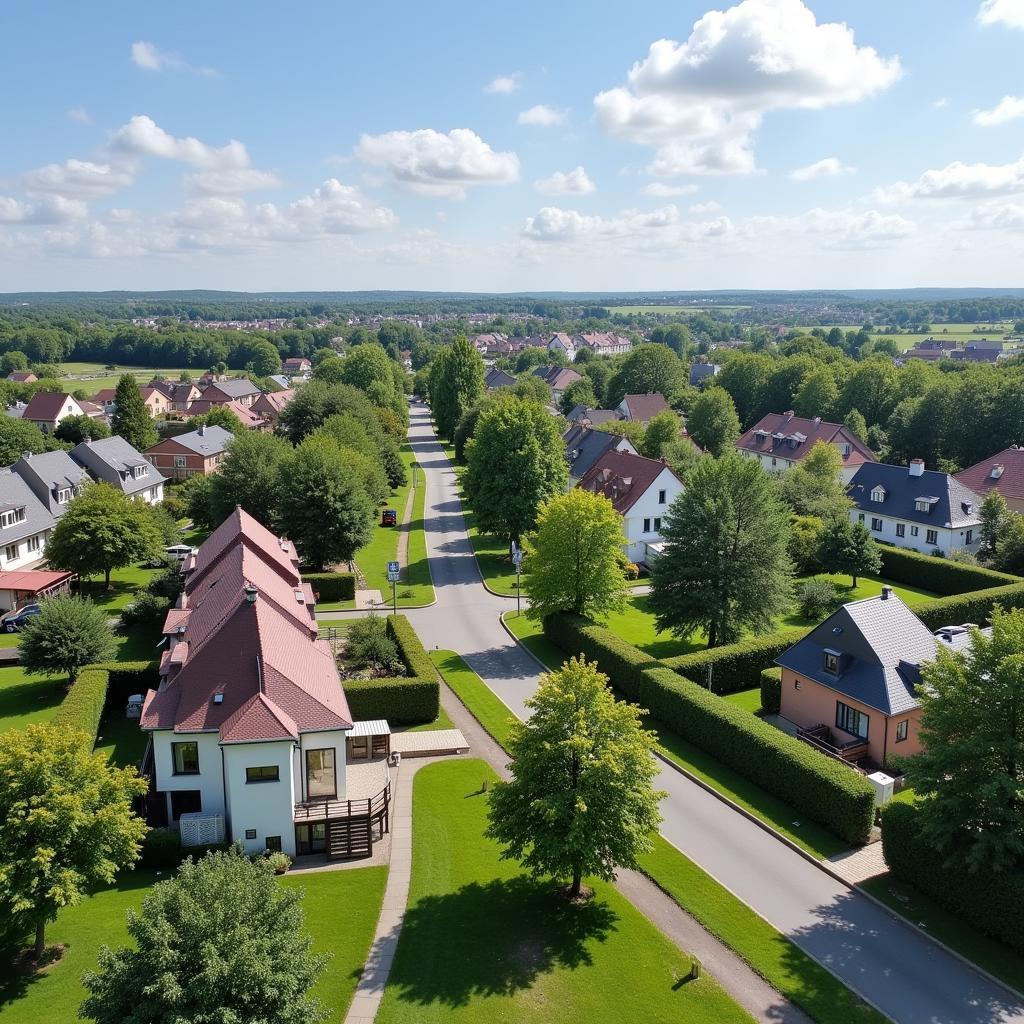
(248,476)
(849,548)
(713,423)
(662,430)
(995,522)
(456,384)
(814,486)
(648,369)
(68,632)
(75,429)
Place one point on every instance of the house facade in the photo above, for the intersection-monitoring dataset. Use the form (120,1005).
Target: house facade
(912,507)
(25,523)
(1002,472)
(196,452)
(115,461)
(47,408)
(234,389)
(603,343)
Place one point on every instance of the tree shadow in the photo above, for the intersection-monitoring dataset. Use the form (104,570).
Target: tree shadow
(32,697)
(492,939)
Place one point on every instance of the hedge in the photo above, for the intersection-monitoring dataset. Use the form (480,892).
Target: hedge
(83,706)
(939,575)
(402,700)
(331,586)
(975,607)
(989,902)
(771,690)
(734,666)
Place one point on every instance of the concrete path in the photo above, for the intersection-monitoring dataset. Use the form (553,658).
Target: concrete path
(891,965)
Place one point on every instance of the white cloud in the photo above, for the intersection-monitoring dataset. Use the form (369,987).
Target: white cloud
(438,164)
(828,168)
(79,179)
(44,210)
(543,116)
(231,180)
(941,103)
(573,183)
(661,190)
(505,83)
(958,181)
(703,209)
(835,229)
(81,115)
(340,209)
(142,136)
(1009,108)
(1005,12)
(700,102)
(150,57)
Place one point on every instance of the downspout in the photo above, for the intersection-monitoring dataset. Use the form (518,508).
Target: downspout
(885,740)
(224,788)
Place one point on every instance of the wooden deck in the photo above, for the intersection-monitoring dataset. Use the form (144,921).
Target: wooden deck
(429,743)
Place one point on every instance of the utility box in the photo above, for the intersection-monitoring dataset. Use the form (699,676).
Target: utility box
(134,709)
(883,786)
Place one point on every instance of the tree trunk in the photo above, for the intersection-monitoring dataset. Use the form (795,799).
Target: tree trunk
(854,578)
(712,634)
(106,578)
(40,946)
(576,887)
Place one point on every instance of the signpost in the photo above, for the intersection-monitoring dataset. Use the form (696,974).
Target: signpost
(393,574)
(517,561)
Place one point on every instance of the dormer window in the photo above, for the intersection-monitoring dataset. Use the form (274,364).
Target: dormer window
(844,449)
(878,493)
(139,472)
(831,662)
(12,516)
(923,505)
(63,495)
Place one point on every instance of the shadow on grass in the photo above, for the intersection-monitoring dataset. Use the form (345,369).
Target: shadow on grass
(492,939)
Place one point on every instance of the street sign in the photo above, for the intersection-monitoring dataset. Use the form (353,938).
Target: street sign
(517,557)
(393,577)
(393,567)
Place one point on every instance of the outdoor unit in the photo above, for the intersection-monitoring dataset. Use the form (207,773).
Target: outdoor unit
(198,829)
(134,709)
(882,784)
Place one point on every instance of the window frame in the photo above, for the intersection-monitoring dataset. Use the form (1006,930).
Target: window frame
(662,497)
(932,537)
(7,552)
(175,760)
(259,780)
(915,531)
(902,730)
(647,525)
(272,843)
(830,662)
(845,718)
(877,524)
(901,529)
(180,461)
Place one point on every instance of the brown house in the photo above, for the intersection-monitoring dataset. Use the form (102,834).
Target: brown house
(234,390)
(199,452)
(271,405)
(1002,472)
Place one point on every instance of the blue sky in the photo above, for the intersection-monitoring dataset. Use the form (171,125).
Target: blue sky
(766,144)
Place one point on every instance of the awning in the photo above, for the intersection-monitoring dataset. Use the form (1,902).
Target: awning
(375,727)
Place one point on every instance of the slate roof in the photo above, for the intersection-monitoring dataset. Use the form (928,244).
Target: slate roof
(557,377)
(15,493)
(792,437)
(1010,481)
(48,473)
(595,417)
(882,644)
(622,478)
(701,371)
(584,446)
(235,387)
(114,460)
(211,441)
(954,504)
(643,408)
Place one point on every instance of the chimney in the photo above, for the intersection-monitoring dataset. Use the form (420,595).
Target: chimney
(251,593)
(886,593)
(916,467)
(789,414)
(997,471)
(817,421)
(202,429)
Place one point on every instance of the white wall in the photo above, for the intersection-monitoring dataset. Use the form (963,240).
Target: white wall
(779,464)
(209,781)
(267,807)
(648,507)
(948,540)
(25,558)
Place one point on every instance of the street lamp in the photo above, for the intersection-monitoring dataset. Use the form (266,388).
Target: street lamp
(517,561)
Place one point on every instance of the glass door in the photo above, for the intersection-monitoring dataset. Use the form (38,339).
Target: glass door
(321,781)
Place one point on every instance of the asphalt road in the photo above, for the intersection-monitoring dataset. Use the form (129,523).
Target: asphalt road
(902,973)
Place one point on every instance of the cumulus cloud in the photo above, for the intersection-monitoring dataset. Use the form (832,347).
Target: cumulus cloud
(543,116)
(43,210)
(150,57)
(1000,217)
(1002,12)
(661,190)
(959,181)
(701,101)
(1009,108)
(571,183)
(79,179)
(80,115)
(828,168)
(832,229)
(142,136)
(505,83)
(438,164)
(702,209)
(231,180)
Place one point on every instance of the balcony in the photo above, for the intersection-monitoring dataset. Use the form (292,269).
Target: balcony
(822,738)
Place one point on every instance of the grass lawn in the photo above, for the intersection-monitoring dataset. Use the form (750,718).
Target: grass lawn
(441,722)
(492,714)
(93,377)
(749,700)
(782,964)
(56,994)
(492,558)
(26,699)
(124,585)
(530,634)
(483,942)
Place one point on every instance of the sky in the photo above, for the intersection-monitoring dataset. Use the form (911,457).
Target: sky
(533,146)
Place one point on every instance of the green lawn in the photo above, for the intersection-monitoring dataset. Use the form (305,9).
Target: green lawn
(489,710)
(441,722)
(93,377)
(749,700)
(26,699)
(492,558)
(483,942)
(782,964)
(124,585)
(341,913)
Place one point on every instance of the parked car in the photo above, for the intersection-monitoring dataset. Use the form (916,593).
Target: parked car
(178,552)
(389,517)
(14,621)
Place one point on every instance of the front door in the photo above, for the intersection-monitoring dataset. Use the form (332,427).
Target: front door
(321,781)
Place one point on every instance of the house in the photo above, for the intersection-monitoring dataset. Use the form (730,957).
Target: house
(781,440)
(53,477)
(641,490)
(25,523)
(584,446)
(236,389)
(115,461)
(495,378)
(1002,472)
(561,342)
(586,417)
(22,377)
(26,586)
(155,399)
(179,394)
(297,366)
(915,508)
(249,727)
(199,451)
(701,373)
(280,380)
(47,408)
(642,408)
(268,407)
(557,378)
(248,417)
(603,343)
(850,685)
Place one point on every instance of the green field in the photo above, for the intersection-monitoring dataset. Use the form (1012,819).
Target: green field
(485,706)
(483,942)
(951,332)
(93,377)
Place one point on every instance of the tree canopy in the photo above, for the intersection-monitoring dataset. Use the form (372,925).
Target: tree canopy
(849,548)
(456,384)
(713,423)
(131,419)
(814,486)
(248,476)
(648,369)
(68,632)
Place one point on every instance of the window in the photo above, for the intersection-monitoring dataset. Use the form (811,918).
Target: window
(914,531)
(180,461)
(186,758)
(832,662)
(320,778)
(34,543)
(657,524)
(647,526)
(775,462)
(661,497)
(12,516)
(250,833)
(923,505)
(139,472)
(932,537)
(901,730)
(263,773)
(876,524)
(901,529)
(970,537)
(851,720)
(878,494)
(844,450)
(185,801)
(860,517)
(11,552)
(796,684)
(274,843)
(63,495)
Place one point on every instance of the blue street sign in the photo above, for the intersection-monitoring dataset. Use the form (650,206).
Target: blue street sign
(393,567)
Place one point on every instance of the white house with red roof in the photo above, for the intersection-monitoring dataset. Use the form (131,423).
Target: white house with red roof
(641,491)
(248,727)
(47,408)
(1002,472)
(781,440)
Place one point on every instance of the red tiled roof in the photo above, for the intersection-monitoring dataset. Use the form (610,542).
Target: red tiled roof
(644,408)
(622,478)
(32,579)
(245,415)
(603,339)
(22,377)
(276,400)
(1010,481)
(104,395)
(240,526)
(45,405)
(806,432)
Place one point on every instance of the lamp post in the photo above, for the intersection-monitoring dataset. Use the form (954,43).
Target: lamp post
(517,561)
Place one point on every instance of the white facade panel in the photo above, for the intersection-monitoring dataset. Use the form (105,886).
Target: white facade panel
(264,807)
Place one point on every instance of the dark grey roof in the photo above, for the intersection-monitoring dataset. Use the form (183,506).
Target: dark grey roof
(237,387)
(584,447)
(955,506)
(699,371)
(214,439)
(15,493)
(47,474)
(595,417)
(114,460)
(882,645)
(496,378)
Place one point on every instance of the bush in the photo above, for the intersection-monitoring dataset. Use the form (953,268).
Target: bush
(87,697)
(331,586)
(399,701)
(989,902)
(145,608)
(368,643)
(972,607)
(413,654)
(771,690)
(177,508)
(939,575)
(279,861)
(817,599)
(735,666)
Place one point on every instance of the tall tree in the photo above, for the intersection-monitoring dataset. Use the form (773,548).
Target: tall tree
(969,775)
(580,801)
(856,424)
(817,395)
(66,822)
(248,476)
(814,487)
(849,548)
(222,941)
(68,632)
(321,503)
(131,419)
(579,392)
(102,530)
(713,423)
(366,365)
(1009,555)
(218,416)
(575,560)
(648,369)
(995,521)
(725,566)
(20,436)
(662,430)
(515,461)
(456,384)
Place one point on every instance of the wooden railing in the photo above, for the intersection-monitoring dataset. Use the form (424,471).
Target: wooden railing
(373,808)
(820,737)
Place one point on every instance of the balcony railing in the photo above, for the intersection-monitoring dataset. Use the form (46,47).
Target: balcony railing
(373,808)
(849,751)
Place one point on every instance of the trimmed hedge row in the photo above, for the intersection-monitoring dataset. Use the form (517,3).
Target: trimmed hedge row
(734,666)
(771,690)
(331,586)
(402,700)
(939,575)
(991,903)
(973,607)
(83,706)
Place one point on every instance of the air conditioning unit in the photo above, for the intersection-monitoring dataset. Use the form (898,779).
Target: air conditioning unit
(883,785)
(198,829)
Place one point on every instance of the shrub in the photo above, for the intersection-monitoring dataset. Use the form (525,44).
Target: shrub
(161,848)
(279,861)
(735,666)
(817,599)
(939,575)
(989,902)
(771,690)
(972,607)
(331,586)
(369,644)
(145,608)
(413,654)
(83,706)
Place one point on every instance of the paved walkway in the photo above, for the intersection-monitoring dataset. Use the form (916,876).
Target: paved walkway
(893,966)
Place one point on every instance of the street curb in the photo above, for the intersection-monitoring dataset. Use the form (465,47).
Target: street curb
(504,626)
